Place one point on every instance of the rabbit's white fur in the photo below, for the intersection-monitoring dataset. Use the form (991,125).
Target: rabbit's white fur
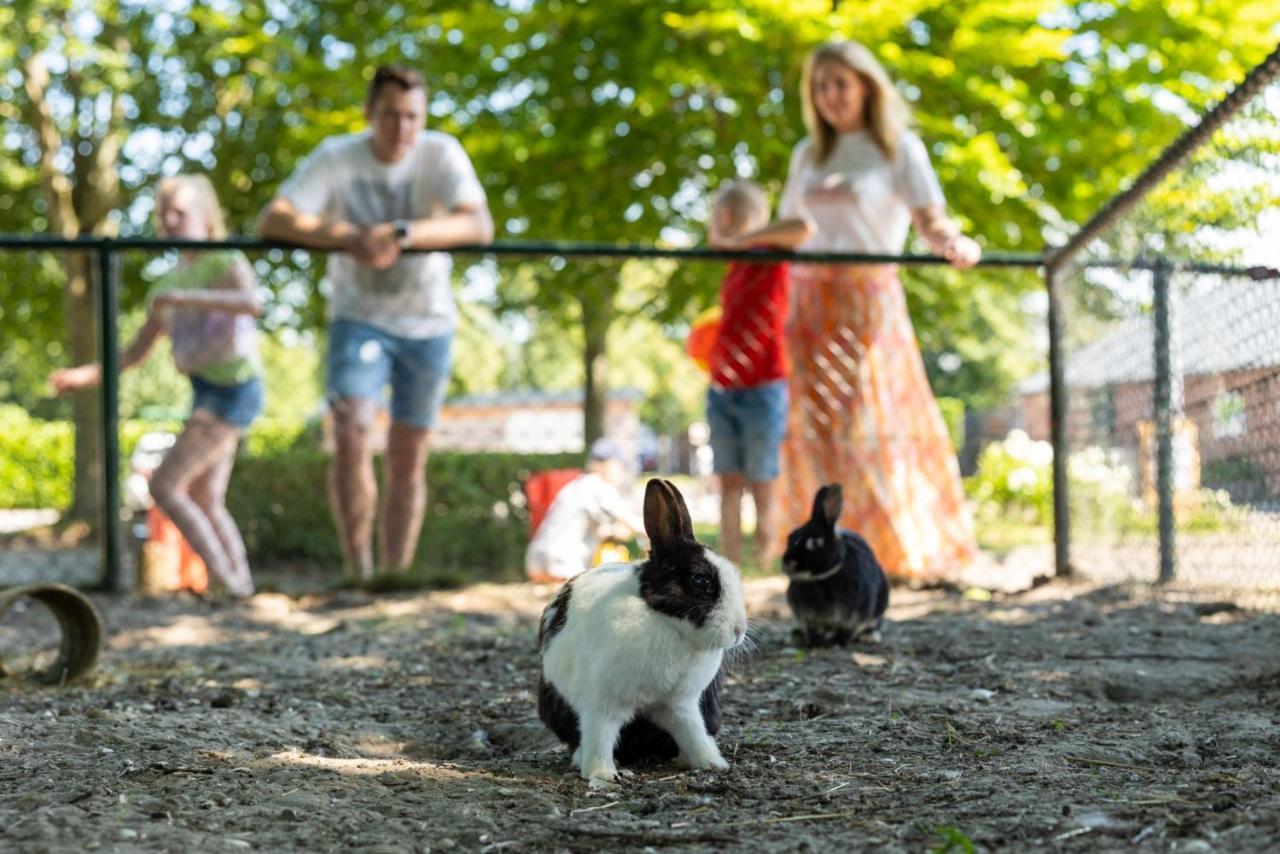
(616,657)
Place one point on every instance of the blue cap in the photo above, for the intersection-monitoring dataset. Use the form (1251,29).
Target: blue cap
(606,449)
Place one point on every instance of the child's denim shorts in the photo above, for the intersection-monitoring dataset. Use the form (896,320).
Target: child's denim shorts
(747,428)
(239,404)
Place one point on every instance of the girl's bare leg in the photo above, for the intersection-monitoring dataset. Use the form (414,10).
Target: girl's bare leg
(204,443)
(209,491)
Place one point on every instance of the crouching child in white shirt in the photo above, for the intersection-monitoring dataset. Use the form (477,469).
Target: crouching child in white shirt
(586,512)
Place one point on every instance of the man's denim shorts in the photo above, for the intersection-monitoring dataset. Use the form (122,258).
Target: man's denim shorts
(747,428)
(364,358)
(238,404)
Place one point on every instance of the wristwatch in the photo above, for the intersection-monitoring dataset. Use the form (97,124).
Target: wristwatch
(402,232)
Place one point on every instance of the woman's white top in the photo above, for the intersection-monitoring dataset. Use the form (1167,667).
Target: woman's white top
(859,200)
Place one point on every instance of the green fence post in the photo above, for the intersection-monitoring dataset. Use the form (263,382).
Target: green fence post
(1164,406)
(1058,425)
(109,356)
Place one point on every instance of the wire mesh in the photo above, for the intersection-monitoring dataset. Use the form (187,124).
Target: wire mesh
(538,343)
(1181,357)
(50,449)
(1111,424)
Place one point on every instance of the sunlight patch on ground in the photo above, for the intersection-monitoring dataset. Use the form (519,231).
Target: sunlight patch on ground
(369,767)
(355,662)
(182,631)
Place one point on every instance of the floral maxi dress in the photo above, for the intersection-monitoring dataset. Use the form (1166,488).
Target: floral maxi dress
(863,415)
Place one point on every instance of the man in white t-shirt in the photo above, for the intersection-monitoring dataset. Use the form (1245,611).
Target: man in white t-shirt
(368,196)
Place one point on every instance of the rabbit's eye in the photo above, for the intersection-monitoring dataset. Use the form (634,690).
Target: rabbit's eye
(701,582)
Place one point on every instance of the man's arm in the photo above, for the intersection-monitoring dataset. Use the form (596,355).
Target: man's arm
(280,220)
(465,224)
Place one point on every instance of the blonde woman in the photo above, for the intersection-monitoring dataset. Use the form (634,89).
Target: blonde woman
(862,412)
(207,305)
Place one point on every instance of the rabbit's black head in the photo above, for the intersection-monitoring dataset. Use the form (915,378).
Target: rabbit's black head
(684,579)
(815,548)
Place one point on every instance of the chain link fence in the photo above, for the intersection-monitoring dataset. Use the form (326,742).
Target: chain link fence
(51,454)
(1172,369)
(529,335)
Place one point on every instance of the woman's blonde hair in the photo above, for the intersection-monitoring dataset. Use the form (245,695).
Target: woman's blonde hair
(885,114)
(205,196)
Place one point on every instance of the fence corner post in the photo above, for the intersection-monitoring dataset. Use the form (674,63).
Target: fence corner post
(1058,424)
(1164,412)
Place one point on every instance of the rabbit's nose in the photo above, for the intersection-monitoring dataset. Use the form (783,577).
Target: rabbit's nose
(739,632)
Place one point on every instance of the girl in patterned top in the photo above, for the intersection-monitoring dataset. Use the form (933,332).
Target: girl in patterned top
(207,305)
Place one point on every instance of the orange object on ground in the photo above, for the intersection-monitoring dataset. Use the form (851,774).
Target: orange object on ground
(168,562)
(701,342)
(540,490)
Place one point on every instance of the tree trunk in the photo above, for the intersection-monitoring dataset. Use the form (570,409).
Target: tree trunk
(82,341)
(78,203)
(597,316)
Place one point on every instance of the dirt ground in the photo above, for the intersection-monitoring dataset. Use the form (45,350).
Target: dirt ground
(1069,717)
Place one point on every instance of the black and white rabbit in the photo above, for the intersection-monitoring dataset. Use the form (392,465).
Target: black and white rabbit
(838,591)
(631,652)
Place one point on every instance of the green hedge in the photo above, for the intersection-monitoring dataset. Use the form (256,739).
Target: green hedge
(475,526)
(35,463)
(37,458)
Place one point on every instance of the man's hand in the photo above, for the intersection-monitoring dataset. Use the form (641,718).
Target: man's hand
(376,246)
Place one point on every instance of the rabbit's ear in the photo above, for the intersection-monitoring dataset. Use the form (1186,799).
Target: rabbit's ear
(666,518)
(828,503)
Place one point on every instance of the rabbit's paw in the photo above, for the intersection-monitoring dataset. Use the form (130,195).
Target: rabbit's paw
(710,759)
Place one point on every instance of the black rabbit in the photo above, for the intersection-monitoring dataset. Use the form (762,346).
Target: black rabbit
(838,591)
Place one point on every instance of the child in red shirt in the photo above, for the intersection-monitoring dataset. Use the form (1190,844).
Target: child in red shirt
(747,399)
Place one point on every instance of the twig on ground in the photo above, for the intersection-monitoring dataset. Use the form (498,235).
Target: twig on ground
(596,808)
(646,836)
(1106,763)
(1149,802)
(1148,656)
(789,818)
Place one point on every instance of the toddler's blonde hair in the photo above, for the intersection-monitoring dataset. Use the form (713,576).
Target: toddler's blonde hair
(743,203)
